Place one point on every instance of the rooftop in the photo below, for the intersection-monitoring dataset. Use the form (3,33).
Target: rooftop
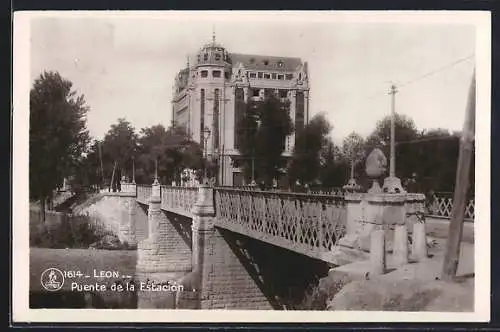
(266,62)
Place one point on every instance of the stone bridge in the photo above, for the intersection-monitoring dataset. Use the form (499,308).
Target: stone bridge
(248,249)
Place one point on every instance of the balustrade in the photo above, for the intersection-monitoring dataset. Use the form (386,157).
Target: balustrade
(144,193)
(441,204)
(306,223)
(178,199)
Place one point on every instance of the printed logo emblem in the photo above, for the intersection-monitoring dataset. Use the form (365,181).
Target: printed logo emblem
(52,279)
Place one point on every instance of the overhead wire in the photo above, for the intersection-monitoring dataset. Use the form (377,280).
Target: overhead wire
(421,77)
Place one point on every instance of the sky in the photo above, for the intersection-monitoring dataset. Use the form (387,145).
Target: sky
(125,65)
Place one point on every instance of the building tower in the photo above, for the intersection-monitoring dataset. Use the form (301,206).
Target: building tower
(212,93)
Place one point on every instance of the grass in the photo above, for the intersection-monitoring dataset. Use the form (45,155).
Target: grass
(84,260)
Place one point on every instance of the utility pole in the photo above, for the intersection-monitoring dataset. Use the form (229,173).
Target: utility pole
(133,170)
(100,159)
(392,167)
(392,184)
(156,172)
(452,254)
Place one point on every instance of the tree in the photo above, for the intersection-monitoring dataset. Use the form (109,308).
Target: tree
(87,172)
(353,149)
(437,154)
(334,166)
(306,160)
(119,148)
(263,130)
(172,148)
(405,131)
(58,136)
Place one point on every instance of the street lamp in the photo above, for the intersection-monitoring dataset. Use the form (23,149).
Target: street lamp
(206,135)
(133,170)
(258,121)
(217,155)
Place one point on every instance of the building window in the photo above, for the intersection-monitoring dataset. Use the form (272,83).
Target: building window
(205,56)
(269,92)
(216,73)
(217,56)
(283,93)
(204,73)
(289,76)
(255,92)
(227,75)
(239,112)
(253,75)
(216,119)
(299,114)
(281,77)
(273,76)
(267,76)
(202,114)
(266,62)
(259,75)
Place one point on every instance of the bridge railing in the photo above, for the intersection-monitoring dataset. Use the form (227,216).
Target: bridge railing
(306,223)
(144,192)
(178,199)
(328,191)
(441,204)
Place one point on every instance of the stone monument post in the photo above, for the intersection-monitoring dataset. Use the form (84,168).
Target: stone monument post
(378,222)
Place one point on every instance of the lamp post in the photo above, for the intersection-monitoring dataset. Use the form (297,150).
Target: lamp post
(133,170)
(156,172)
(217,155)
(206,135)
(257,120)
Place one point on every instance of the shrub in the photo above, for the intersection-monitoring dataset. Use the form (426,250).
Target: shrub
(56,237)
(83,235)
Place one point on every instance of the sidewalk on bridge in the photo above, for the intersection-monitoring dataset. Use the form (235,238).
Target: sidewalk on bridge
(415,286)
(439,227)
(428,269)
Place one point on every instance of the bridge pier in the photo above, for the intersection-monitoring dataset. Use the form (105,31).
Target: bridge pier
(220,278)
(162,258)
(126,231)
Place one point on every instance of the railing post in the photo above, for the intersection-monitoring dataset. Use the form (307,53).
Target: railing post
(263,209)
(154,209)
(321,233)
(203,229)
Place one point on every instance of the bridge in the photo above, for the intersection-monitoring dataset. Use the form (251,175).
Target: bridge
(238,248)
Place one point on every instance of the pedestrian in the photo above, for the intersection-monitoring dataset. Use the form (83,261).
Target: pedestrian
(412,185)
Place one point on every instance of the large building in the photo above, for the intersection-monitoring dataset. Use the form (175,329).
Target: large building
(211,92)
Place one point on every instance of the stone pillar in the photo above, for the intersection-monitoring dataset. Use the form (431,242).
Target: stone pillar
(148,254)
(378,261)
(388,211)
(203,230)
(161,258)
(354,216)
(221,280)
(354,245)
(127,225)
(415,209)
(401,245)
